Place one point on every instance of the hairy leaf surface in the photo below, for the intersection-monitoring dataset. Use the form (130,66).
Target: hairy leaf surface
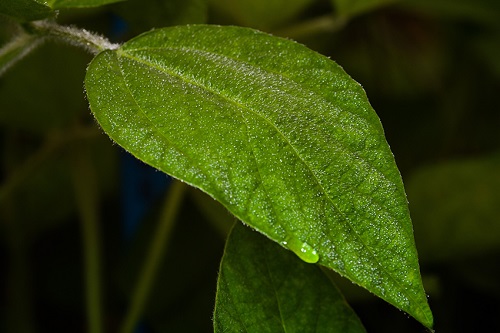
(277,133)
(263,288)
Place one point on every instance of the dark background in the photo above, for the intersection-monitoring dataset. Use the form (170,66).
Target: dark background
(431,70)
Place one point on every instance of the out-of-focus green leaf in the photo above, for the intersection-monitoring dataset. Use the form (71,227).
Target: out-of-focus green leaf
(395,57)
(263,288)
(30,101)
(455,207)
(351,8)
(277,133)
(59,4)
(143,15)
(31,10)
(26,10)
(261,14)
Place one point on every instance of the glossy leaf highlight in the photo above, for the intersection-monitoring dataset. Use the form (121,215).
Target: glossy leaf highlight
(263,288)
(277,133)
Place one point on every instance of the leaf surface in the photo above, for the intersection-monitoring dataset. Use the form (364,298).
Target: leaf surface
(277,133)
(263,288)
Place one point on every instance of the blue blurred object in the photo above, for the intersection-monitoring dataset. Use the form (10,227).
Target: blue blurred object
(119,28)
(142,186)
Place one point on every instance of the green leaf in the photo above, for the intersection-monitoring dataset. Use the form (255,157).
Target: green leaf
(26,10)
(277,133)
(351,8)
(59,4)
(263,288)
(466,223)
(262,14)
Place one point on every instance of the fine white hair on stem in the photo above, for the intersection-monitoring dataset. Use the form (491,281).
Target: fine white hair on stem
(92,42)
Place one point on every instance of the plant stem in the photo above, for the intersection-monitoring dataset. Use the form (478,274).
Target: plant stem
(91,42)
(155,255)
(86,195)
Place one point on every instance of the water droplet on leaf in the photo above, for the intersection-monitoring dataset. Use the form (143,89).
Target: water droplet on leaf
(303,250)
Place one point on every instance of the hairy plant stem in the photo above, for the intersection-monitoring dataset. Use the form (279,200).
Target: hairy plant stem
(155,255)
(91,42)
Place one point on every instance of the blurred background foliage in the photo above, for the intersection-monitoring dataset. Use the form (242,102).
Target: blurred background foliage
(431,69)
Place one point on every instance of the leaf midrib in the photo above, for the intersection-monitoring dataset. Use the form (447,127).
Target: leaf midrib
(200,167)
(217,93)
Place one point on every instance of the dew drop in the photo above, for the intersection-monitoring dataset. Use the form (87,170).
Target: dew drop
(303,250)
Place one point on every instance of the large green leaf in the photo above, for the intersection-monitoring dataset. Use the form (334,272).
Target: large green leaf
(277,133)
(26,10)
(263,288)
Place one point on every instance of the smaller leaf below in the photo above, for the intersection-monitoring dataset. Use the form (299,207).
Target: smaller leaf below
(264,288)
